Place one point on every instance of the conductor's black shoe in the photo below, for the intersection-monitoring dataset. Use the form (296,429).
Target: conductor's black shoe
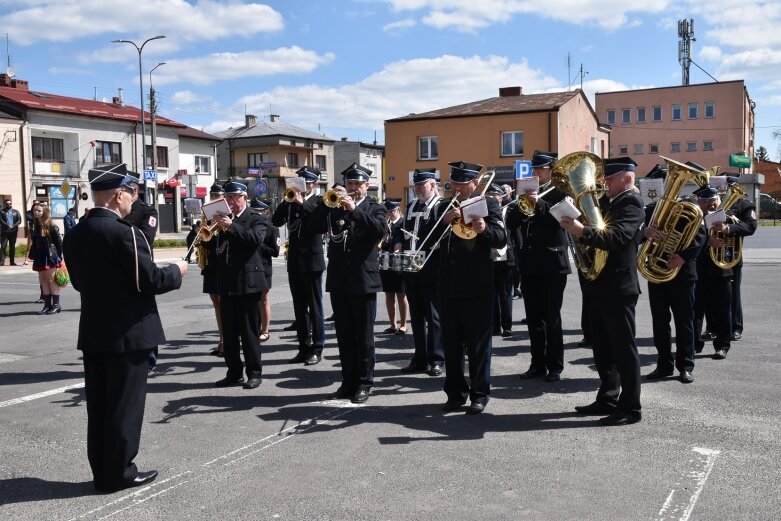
(659,373)
(584,343)
(477,406)
(252,383)
(524,321)
(360,396)
(453,405)
(707,335)
(595,409)
(413,367)
(620,418)
(507,332)
(142,478)
(533,372)
(553,376)
(291,327)
(737,335)
(434,370)
(720,354)
(340,393)
(686,377)
(312,360)
(228,381)
(299,358)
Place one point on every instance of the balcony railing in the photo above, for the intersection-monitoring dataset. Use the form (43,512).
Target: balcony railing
(56,168)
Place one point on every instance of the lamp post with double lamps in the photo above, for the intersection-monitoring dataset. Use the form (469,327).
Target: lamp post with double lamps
(141,90)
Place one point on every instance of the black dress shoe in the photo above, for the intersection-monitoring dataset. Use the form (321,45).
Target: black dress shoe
(413,368)
(252,383)
(142,478)
(291,327)
(312,360)
(477,406)
(659,373)
(707,335)
(524,321)
(360,396)
(737,335)
(434,370)
(229,381)
(453,405)
(584,343)
(553,376)
(720,354)
(340,393)
(507,332)
(686,377)
(595,409)
(533,372)
(620,418)
(299,358)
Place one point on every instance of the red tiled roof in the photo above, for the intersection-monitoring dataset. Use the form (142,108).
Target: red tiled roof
(197,134)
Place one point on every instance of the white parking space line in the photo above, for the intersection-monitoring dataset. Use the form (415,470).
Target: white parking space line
(43,394)
(681,500)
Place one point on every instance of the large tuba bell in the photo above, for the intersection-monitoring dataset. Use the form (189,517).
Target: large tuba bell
(728,256)
(677,221)
(580,175)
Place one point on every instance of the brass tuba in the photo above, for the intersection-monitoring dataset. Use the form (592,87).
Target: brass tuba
(727,257)
(580,175)
(677,221)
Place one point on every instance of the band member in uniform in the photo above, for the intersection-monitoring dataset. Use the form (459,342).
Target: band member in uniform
(713,296)
(305,266)
(354,229)
(504,266)
(393,281)
(421,286)
(544,265)
(746,213)
(241,283)
(109,263)
(612,296)
(269,249)
(209,270)
(676,296)
(466,289)
(143,216)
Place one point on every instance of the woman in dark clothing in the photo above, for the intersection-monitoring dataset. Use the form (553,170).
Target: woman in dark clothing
(269,248)
(44,247)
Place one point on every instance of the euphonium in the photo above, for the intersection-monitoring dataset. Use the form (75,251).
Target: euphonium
(333,198)
(727,257)
(580,175)
(677,221)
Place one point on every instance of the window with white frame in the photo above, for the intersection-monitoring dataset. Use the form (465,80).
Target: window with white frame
(202,165)
(641,114)
(657,113)
(512,143)
(692,111)
(710,109)
(653,148)
(626,116)
(108,152)
(639,149)
(611,117)
(691,146)
(623,149)
(675,147)
(255,159)
(707,145)
(320,162)
(676,116)
(428,148)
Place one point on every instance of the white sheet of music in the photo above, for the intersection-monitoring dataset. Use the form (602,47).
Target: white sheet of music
(474,208)
(297,183)
(564,208)
(210,210)
(716,217)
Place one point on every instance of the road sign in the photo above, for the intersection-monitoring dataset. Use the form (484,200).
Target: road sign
(253,171)
(150,175)
(739,161)
(523,169)
(260,187)
(269,164)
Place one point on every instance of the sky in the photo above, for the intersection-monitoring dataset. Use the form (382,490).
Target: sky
(343,67)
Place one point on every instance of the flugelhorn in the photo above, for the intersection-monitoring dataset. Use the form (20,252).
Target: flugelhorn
(333,198)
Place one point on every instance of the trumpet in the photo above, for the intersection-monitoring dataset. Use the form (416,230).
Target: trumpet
(333,198)
(290,195)
(526,204)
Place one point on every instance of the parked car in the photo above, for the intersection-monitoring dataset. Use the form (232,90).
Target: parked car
(769,208)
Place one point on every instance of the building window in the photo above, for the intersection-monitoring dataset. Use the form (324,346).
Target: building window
(653,149)
(108,152)
(691,146)
(676,113)
(658,113)
(675,147)
(710,109)
(162,157)
(48,149)
(428,147)
(512,143)
(641,114)
(638,149)
(692,111)
(254,160)
(623,150)
(292,159)
(203,165)
(707,145)
(611,117)
(320,162)
(626,116)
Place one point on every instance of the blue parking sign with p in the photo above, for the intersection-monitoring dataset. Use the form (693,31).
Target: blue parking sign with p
(523,169)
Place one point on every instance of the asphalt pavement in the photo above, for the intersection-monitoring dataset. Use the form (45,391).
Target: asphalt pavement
(703,451)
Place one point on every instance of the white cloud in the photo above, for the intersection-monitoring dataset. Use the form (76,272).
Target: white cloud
(187,97)
(401,24)
(711,53)
(66,20)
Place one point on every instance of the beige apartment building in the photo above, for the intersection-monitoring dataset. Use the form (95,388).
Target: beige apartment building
(494,132)
(704,123)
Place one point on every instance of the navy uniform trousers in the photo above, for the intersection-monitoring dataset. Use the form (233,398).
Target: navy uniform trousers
(241,326)
(676,296)
(542,297)
(713,297)
(423,299)
(465,323)
(354,317)
(306,288)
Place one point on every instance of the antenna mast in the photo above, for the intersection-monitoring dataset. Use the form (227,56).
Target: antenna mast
(686,34)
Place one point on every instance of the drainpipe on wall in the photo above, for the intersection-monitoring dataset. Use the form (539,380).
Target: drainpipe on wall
(24,173)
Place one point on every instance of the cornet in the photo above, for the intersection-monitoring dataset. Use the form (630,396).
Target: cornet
(333,198)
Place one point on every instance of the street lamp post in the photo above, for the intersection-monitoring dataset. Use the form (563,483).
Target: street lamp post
(141,101)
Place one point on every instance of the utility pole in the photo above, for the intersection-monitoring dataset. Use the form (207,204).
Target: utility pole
(153,153)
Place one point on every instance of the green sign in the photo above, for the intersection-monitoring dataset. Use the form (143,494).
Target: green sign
(739,161)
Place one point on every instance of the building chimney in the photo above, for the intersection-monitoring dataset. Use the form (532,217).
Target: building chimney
(344,139)
(119,95)
(116,101)
(250,120)
(506,92)
(273,117)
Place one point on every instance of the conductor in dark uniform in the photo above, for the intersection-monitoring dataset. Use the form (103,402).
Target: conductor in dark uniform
(305,266)
(143,216)
(612,296)
(416,235)
(675,296)
(466,290)
(110,263)
(544,266)
(355,228)
(241,282)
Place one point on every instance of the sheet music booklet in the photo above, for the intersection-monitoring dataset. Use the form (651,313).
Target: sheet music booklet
(716,217)
(564,208)
(297,183)
(211,210)
(474,208)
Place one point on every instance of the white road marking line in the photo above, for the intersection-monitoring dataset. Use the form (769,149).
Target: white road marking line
(680,509)
(43,394)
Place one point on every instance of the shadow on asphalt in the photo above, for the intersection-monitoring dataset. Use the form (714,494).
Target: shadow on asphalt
(31,378)
(27,489)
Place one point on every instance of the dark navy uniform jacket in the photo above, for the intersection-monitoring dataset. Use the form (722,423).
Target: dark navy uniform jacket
(239,263)
(305,251)
(144,217)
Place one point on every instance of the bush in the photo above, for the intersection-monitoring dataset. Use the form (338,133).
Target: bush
(170,243)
